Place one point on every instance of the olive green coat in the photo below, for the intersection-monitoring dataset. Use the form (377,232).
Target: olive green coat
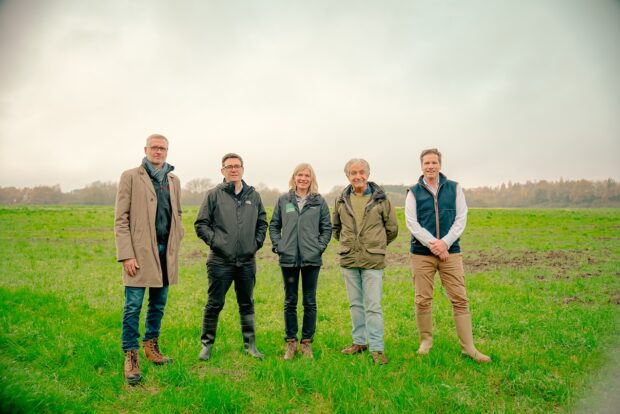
(364,244)
(134,228)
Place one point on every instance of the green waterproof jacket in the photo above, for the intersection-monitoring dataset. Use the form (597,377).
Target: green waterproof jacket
(233,226)
(300,237)
(364,244)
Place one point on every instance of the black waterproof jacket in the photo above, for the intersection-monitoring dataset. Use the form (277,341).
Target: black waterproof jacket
(233,226)
(300,237)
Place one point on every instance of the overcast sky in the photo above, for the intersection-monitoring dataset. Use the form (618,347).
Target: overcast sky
(507,90)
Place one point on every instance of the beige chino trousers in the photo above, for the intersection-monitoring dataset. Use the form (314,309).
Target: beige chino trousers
(452,277)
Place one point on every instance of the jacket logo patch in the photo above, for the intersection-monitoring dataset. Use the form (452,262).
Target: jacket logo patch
(248,202)
(290,208)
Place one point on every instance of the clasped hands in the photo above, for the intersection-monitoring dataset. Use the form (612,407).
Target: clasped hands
(440,249)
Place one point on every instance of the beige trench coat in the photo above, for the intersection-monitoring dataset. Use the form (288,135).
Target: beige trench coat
(134,228)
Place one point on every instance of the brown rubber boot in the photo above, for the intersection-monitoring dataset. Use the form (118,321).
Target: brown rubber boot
(132,367)
(425,328)
(291,349)
(306,348)
(463,329)
(151,350)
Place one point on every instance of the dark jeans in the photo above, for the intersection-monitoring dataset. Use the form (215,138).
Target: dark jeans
(164,263)
(134,296)
(221,276)
(309,277)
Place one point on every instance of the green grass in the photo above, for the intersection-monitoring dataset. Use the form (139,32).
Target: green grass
(544,288)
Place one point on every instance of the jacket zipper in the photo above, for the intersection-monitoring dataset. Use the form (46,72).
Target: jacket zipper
(435,197)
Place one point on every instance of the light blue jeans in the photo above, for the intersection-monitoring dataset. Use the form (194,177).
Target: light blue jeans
(365,288)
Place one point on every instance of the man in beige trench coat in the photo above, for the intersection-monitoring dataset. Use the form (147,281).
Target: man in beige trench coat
(148,232)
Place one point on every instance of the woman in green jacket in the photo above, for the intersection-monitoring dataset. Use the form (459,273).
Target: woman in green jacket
(300,230)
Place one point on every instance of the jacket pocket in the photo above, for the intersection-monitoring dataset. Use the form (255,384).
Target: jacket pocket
(376,250)
(218,244)
(343,249)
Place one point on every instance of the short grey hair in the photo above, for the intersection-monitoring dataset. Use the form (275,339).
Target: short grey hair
(352,161)
(156,136)
(430,151)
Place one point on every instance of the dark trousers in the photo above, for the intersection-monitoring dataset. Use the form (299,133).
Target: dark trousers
(309,278)
(221,276)
(164,263)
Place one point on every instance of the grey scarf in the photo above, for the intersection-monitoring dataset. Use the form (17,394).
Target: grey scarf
(159,175)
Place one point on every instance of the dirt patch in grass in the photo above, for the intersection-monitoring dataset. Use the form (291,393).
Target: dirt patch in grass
(266,254)
(194,254)
(561,262)
(573,299)
(398,259)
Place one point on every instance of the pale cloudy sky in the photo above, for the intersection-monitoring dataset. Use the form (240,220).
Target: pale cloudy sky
(508,90)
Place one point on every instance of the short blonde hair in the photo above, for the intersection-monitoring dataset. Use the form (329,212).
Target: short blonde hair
(314,185)
(156,136)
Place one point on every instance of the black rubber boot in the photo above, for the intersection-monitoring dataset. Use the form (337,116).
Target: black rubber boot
(249,336)
(209,327)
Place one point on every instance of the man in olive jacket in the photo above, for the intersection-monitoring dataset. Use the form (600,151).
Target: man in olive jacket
(364,222)
(233,223)
(148,233)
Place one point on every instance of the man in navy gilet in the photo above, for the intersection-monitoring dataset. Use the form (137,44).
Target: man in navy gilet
(436,215)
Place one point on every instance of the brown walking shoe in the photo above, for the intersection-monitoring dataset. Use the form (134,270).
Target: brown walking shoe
(354,349)
(151,351)
(132,367)
(291,349)
(306,348)
(378,357)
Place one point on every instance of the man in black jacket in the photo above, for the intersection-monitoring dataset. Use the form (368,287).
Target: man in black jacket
(233,223)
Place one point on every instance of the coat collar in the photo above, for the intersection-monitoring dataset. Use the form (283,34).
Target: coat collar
(378,194)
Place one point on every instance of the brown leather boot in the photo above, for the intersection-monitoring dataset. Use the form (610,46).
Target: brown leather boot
(379,358)
(291,349)
(132,367)
(306,348)
(354,349)
(151,350)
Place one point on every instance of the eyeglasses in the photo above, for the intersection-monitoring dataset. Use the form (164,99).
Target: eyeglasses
(155,149)
(233,167)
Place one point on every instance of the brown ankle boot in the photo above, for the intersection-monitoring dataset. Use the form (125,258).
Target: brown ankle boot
(132,367)
(151,350)
(306,348)
(291,349)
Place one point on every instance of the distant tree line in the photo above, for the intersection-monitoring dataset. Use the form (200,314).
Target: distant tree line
(563,193)
(569,193)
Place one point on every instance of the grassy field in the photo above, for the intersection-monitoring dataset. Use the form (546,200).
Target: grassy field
(544,288)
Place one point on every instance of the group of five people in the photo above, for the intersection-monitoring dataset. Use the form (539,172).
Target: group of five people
(233,223)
